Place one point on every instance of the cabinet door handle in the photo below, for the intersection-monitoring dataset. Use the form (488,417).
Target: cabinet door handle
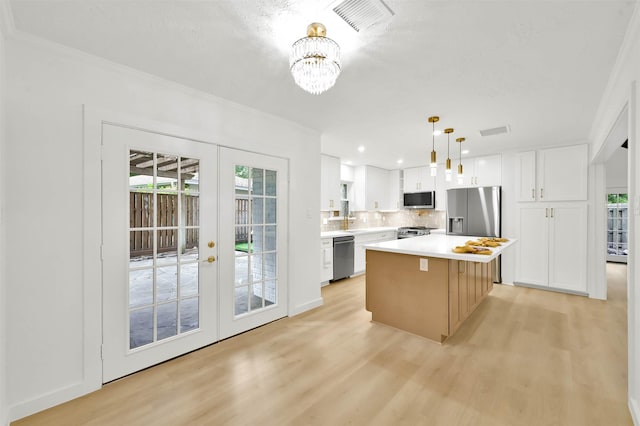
(551,211)
(541,193)
(546,212)
(533,193)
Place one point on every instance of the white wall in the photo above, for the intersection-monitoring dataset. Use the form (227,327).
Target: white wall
(3,282)
(616,166)
(623,91)
(46,89)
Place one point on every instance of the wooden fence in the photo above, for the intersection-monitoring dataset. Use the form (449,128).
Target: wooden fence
(140,216)
(242,218)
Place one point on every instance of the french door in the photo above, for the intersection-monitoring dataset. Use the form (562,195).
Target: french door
(253,240)
(617,227)
(159,215)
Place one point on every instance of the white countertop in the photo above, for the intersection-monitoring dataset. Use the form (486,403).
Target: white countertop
(357,231)
(438,245)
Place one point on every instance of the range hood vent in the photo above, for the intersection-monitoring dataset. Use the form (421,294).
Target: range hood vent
(361,14)
(495,131)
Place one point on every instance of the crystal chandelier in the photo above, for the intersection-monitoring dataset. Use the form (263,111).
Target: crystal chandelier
(315,60)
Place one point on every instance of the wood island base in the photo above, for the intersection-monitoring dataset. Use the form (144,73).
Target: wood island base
(431,303)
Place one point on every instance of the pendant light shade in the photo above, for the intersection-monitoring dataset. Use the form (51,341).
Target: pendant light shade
(460,171)
(433,164)
(447,172)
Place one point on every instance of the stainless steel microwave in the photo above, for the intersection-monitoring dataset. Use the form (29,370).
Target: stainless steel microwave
(420,200)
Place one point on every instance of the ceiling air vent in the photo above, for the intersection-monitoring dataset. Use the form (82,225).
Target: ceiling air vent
(495,131)
(361,14)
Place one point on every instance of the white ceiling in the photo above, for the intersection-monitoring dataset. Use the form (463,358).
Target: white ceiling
(538,66)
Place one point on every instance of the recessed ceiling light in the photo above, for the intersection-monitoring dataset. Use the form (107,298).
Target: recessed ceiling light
(437,132)
(466,151)
(348,162)
(361,148)
(399,161)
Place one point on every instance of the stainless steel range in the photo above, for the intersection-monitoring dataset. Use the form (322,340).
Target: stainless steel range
(413,231)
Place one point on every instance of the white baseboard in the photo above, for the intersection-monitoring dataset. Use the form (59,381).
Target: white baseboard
(634,409)
(48,400)
(306,306)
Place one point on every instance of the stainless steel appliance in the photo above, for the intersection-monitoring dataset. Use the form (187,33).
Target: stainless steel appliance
(476,212)
(342,257)
(413,231)
(419,200)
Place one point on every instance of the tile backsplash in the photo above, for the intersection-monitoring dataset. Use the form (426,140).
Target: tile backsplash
(367,219)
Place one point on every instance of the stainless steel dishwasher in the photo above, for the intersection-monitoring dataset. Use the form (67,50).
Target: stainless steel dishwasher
(342,257)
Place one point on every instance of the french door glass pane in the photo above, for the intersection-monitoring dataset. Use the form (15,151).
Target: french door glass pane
(270,183)
(140,288)
(140,327)
(255,250)
(257,181)
(617,223)
(163,246)
(189,319)
(167,320)
(167,173)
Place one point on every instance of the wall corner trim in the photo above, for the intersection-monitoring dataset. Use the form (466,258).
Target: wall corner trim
(7,25)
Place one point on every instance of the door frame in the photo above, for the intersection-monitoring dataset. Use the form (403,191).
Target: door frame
(92,120)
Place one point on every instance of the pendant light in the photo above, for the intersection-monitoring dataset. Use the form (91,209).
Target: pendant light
(433,120)
(460,174)
(447,172)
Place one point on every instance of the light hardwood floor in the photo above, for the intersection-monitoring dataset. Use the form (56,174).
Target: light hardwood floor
(524,357)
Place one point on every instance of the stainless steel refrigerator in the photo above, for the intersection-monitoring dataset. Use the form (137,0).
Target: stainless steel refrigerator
(475,212)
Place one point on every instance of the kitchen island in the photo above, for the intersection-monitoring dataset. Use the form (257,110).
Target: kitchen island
(421,286)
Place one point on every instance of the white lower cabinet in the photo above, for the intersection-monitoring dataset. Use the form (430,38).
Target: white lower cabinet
(326,259)
(553,246)
(359,258)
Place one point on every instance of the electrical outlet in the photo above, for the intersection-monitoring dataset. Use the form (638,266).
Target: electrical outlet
(424,264)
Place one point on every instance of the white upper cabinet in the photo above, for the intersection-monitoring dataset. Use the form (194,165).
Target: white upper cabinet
(555,174)
(371,188)
(527,188)
(480,171)
(329,183)
(418,179)
(563,173)
(488,170)
(393,201)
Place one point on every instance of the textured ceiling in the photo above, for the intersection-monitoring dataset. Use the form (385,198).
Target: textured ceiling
(538,66)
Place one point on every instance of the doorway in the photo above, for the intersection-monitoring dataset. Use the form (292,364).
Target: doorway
(194,245)
(159,199)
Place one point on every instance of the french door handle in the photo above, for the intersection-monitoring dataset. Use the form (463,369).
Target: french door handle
(209,259)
